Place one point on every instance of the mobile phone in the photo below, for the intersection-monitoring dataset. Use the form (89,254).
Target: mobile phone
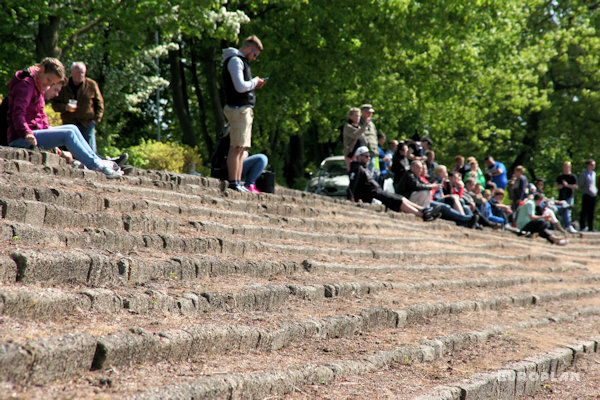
(266,78)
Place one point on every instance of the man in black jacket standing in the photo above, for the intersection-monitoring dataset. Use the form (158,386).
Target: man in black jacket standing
(364,188)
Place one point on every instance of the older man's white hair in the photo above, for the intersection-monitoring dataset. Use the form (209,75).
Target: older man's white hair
(78,65)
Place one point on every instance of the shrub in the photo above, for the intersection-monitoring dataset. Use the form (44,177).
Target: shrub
(54,118)
(167,156)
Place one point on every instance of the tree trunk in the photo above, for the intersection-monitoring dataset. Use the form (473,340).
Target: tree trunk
(180,107)
(529,144)
(46,40)
(199,98)
(214,92)
(294,162)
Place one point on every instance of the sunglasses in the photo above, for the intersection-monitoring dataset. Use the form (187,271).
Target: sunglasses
(253,52)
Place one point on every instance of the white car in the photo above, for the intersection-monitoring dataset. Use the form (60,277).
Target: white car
(332,178)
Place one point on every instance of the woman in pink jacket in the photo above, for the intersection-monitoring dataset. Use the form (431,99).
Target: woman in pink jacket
(28,123)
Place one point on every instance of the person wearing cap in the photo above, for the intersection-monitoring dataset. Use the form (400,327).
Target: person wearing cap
(363,187)
(530,223)
(370,133)
(353,135)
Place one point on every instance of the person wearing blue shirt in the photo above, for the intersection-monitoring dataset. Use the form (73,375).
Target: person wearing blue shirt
(498,172)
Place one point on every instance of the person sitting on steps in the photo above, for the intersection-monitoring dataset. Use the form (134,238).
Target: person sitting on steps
(364,188)
(28,123)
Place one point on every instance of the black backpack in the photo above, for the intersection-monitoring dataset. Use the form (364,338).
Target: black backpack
(218,160)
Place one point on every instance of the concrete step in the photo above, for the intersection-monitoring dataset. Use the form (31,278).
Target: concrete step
(141,345)
(216,377)
(188,299)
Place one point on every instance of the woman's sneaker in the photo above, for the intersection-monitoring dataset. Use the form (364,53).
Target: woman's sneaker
(253,189)
(109,171)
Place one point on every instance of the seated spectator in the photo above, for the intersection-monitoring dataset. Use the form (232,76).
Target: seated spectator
(392,147)
(476,203)
(499,209)
(430,164)
(384,159)
(252,167)
(414,188)
(482,205)
(28,123)
(415,148)
(445,194)
(353,135)
(422,194)
(459,164)
(547,207)
(474,172)
(498,172)
(427,144)
(400,164)
(489,184)
(364,188)
(566,183)
(528,221)
(518,187)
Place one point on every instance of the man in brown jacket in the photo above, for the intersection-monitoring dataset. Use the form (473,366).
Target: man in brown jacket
(80,103)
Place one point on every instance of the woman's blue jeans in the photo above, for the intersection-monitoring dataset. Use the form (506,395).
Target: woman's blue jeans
(253,167)
(64,135)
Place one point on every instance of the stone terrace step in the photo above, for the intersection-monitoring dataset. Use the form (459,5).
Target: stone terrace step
(163,284)
(281,375)
(502,384)
(193,342)
(99,269)
(52,303)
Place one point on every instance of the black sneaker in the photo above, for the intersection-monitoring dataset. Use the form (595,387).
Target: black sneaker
(122,159)
(432,213)
(473,221)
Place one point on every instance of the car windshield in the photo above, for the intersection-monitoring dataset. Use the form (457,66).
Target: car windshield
(335,168)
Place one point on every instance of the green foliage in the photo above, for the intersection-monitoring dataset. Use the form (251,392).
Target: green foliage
(54,118)
(516,78)
(167,156)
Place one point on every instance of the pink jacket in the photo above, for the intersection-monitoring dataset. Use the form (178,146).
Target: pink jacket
(25,107)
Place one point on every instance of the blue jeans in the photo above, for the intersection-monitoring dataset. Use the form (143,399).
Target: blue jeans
(64,135)
(89,134)
(565,213)
(450,214)
(253,167)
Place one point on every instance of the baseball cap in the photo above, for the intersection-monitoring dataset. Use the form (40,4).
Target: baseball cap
(361,150)
(367,107)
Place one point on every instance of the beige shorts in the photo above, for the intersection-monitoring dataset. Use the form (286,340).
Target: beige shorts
(240,125)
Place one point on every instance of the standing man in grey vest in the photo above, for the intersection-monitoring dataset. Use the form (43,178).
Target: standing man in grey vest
(370,135)
(240,99)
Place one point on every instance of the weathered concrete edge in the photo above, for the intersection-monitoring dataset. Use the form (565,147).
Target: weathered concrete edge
(49,303)
(140,346)
(260,385)
(522,378)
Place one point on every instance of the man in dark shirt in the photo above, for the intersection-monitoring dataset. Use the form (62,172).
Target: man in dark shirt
(400,163)
(364,188)
(566,183)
